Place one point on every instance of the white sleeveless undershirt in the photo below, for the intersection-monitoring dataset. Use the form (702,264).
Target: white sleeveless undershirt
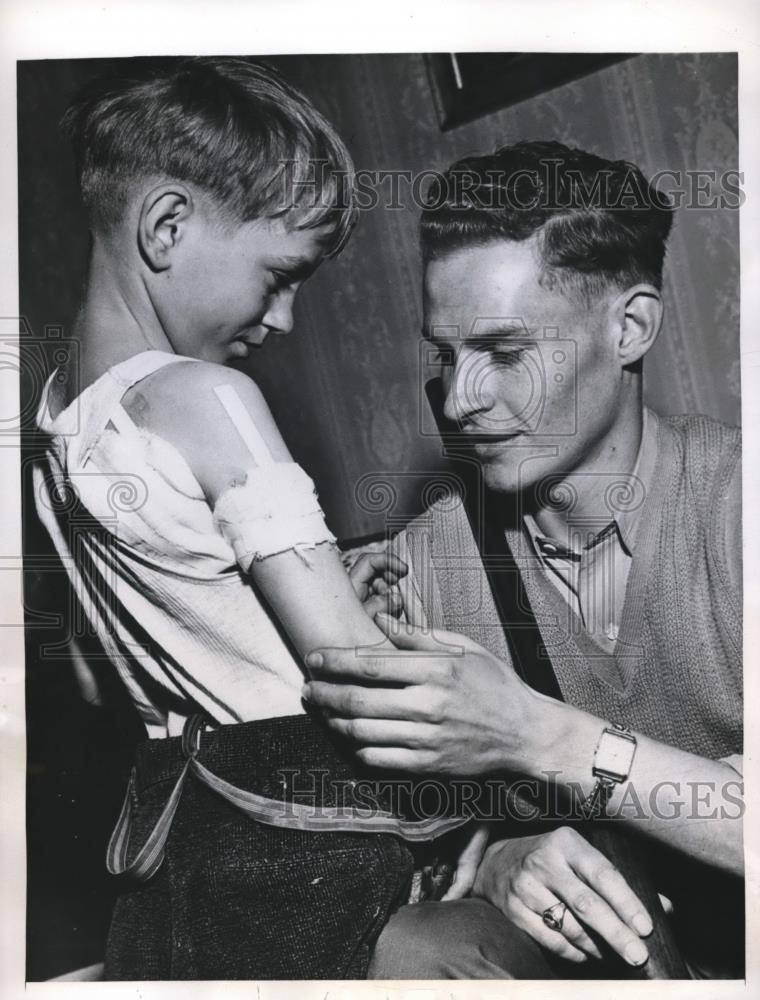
(160,576)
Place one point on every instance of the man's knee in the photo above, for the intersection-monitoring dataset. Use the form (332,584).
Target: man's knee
(462,939)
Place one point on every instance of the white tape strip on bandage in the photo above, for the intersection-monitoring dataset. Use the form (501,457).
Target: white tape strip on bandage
(276,508)
(244,425)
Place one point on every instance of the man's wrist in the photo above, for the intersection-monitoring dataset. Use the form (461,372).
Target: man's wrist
(612,765)
(561,743)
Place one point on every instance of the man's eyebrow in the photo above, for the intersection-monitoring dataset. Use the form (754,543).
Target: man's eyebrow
(491,331)
(496,329)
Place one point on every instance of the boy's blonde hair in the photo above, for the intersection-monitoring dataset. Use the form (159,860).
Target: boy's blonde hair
(230,126)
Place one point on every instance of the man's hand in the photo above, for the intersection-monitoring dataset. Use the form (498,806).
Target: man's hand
(374,577)
(437,703)
(525,876)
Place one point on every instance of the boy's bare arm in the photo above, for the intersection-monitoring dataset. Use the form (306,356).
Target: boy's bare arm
(305,585)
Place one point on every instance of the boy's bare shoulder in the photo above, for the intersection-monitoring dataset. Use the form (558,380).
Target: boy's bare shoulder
(196,375)
(179,403)
(184,391)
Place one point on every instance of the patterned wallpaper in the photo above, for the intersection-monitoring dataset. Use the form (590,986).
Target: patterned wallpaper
(345,386)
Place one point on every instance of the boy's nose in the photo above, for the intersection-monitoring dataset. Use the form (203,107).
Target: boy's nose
(279,316)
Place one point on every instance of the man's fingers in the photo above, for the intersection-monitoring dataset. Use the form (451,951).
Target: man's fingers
(432,642)
(538,898)
(399,759)
(531,922)
(355,702)
(607,881)
(597,915)
(384,732)
(337,664)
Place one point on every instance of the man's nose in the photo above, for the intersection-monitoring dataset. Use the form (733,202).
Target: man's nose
(467,392)
(279,315)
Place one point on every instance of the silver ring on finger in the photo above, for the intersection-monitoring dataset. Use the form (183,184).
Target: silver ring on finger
(554,916)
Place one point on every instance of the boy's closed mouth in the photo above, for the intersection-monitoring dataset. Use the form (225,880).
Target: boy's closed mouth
(242,345)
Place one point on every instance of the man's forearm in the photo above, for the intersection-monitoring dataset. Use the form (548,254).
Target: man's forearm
(442,704)
(687,801)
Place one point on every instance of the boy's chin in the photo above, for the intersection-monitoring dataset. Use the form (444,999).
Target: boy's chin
(238,350)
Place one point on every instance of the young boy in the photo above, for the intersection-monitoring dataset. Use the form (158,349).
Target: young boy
(213,190)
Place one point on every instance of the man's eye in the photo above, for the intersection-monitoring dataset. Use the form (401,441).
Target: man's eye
(509,358)
(442,356)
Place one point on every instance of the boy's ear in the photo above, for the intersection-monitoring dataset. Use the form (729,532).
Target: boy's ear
(637,320)
(163,215)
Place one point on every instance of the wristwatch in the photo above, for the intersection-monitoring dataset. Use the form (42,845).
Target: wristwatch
(612,765)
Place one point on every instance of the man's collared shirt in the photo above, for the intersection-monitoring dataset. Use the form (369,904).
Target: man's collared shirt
(590,566)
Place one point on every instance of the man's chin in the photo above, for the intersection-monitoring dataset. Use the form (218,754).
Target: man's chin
(520,473)
(500,479)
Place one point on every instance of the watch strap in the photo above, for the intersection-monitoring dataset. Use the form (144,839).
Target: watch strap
(612,765)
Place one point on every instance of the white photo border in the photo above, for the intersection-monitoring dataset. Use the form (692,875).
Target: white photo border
(82,29)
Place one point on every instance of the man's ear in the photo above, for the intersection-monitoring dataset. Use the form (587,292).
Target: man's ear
(164,212)
(638,318)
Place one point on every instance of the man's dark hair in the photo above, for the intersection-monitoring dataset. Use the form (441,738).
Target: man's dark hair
(599,222)
(230,126)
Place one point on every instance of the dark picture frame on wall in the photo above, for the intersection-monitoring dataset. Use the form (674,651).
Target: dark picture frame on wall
(467,85)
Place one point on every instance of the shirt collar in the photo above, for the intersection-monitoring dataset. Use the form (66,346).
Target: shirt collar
(628,517)
(543,546)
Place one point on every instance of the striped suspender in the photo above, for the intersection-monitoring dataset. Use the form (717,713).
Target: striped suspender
(287,815)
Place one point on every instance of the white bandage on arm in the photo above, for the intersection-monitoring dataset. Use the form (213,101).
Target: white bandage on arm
(276,508)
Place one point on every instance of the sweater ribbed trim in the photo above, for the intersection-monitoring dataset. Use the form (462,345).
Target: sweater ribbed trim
(676,672)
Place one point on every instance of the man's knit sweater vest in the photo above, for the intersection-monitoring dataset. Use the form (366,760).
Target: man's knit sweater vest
(676,671)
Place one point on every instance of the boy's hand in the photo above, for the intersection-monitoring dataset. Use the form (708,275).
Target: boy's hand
(374,577)
(468,862)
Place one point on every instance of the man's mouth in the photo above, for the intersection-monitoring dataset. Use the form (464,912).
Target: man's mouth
(485,445)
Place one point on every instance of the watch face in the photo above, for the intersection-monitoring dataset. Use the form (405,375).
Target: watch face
(614,755)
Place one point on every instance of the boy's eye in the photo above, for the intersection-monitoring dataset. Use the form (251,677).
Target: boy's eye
(281,279)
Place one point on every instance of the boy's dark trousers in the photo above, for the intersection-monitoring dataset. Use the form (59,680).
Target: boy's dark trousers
(238,899)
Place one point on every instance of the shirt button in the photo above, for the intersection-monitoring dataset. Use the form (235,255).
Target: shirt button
(612,632)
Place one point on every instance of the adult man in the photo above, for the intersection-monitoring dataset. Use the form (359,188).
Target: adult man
(543,276)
